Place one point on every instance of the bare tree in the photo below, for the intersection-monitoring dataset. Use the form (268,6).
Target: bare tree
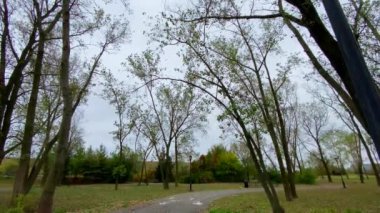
(299,16)
(27,141)
(13,65)
(46,200)
(314,122)
(334,102)
(115,92)
(177,109)
(208,71)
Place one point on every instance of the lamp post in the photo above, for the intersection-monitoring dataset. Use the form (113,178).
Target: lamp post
(341,170)
(191,189)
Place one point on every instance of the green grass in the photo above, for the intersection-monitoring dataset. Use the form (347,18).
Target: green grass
(103,197)
(323,197)
(6,183)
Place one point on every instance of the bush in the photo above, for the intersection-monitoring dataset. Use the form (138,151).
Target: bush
(205,177)
(19,208)
(306,177)
(8,167)
(200,177)
(275,176)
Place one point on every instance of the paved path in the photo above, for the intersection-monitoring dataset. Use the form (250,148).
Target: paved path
(196,202)
(191,202)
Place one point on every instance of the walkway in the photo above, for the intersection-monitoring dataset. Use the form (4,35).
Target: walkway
(191,202)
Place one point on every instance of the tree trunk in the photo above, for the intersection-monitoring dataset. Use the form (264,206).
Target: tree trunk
(367,149)
(373,164)
(259,163)
(360,160)
(348,100)
(266,183)
(116,182)
(330,48)
(27,140)
(289,167)
(284,142)
(324,163)
(9,93)
(299,164)
(41,162)
(283,171)
(3,64)
(46,199)
(166,178)
(146,175)
(176,160)
(161,162)
(344,169)
(360,171)
(141,172)
(46,168)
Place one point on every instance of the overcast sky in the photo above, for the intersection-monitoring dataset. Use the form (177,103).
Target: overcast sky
(97,115)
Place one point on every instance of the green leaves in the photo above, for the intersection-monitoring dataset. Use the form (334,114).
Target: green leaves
(119,170)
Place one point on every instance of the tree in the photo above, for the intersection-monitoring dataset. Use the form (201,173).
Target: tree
(36,60)
(224,164)
(242,152)
(291,111)
(188,114)
(333,101)
(315,120)
(363,19)
(205,72)
(20,58)
(244,54)
(176,108)
(46,200)
(184,145)
(145,150)
(112,36)
(27,141)
(303,14)
(341,146)
(126,114)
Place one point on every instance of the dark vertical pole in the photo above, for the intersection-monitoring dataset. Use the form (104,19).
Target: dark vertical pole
(191,188)
(364,87)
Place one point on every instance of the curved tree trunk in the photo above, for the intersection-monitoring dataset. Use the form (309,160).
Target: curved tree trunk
(324,162)
(264,179)
(368,151)
(46,200)
(141,172)
(284,142)
(27,140)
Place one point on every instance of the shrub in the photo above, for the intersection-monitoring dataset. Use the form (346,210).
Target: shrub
(275,176)
(306,177)
(8,167)
(200,177)
(205,177)
(19,208)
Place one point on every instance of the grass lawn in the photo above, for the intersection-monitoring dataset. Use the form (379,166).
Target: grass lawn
(102,197)
(329,198)
(322,197)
